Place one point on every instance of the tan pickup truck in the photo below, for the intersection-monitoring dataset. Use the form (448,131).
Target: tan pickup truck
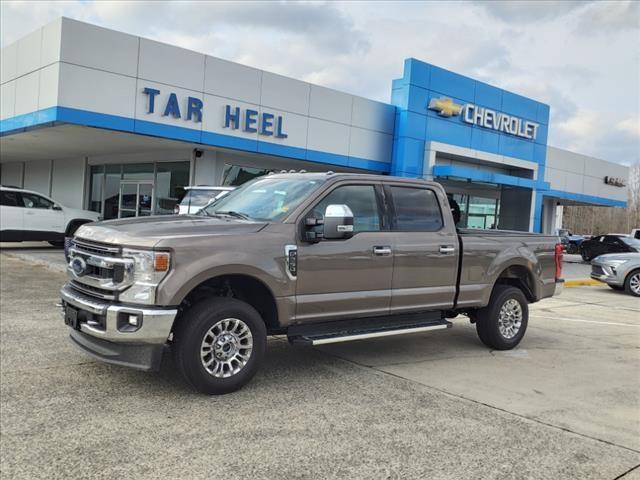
(319,257)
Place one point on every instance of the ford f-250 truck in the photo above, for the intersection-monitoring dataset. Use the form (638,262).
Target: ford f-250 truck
(319,257)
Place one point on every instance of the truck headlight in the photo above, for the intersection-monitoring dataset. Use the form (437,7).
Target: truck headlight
(149,268)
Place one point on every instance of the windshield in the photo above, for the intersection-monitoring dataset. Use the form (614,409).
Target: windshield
(632,242)
(264,199)
(199,198)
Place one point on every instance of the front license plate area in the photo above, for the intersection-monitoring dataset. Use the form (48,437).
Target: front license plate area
(71,317)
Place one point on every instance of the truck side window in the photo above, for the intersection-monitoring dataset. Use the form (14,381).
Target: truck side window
(416,210)
(361,199)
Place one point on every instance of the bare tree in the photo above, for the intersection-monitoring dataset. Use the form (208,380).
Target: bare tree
(598,220)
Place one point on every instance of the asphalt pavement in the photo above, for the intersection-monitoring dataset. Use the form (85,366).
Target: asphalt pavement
(564,404)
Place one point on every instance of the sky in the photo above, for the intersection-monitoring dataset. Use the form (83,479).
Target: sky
(582,58)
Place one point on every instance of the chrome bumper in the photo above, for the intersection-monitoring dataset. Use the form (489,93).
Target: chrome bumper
(155,328)
(559,287)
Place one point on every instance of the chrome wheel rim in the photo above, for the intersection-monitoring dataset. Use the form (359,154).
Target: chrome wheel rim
(226,348)
(634,283)
(510,318)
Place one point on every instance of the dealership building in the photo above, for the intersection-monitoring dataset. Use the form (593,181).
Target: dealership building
(101,120)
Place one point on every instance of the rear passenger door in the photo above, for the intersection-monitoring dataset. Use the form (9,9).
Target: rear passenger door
(425,250)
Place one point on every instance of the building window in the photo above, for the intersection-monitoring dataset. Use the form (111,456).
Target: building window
(145,188)
(95,188)
(171,178)
(235,175)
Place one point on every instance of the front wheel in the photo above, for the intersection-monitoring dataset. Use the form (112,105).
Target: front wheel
(632,283)
(502,324)
(219,344)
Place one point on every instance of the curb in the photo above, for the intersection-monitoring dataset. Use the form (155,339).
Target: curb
(583,282)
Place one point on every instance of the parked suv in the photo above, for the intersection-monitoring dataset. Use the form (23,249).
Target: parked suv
(30,216)
(621,271)
(318,257)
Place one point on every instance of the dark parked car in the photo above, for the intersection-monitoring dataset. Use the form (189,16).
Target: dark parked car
(602,244)
(570,242)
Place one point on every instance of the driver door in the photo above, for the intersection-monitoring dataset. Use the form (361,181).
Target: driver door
(348,277)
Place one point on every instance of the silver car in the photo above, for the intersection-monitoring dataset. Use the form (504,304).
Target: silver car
(621,271)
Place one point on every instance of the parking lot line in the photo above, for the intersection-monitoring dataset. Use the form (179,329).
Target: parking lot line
(586,321)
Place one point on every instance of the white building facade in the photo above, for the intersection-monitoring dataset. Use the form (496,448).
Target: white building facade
(96,118)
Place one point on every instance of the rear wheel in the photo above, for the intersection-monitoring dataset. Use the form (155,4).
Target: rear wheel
(219,344)
(502,324)
(632,283)
(586,256)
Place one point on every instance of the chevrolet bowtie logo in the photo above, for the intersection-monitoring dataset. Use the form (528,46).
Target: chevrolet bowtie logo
(445,106)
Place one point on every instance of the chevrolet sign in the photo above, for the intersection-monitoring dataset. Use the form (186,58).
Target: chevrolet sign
(486,118)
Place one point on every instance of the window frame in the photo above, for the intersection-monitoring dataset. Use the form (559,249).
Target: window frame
(383,211)
(392,207)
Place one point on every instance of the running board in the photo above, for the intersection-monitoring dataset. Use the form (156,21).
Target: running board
(365,330)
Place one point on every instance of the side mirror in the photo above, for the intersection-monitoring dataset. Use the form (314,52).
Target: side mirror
(338,222)
(56,207)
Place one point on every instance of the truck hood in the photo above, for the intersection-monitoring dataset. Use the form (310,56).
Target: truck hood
(150,231)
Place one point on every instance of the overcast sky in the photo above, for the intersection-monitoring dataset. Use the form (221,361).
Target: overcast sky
(582,58)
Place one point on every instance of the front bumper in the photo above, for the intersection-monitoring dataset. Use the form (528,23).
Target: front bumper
(607,274)
(103,334)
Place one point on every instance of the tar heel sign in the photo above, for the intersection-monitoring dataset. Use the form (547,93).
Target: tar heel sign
(191,109)
(486,118)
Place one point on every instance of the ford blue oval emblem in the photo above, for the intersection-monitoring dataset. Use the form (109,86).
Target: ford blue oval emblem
(78,265)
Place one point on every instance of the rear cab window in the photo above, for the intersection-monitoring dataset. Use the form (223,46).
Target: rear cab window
(415,209)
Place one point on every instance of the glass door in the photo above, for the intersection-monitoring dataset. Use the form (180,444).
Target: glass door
(135,199)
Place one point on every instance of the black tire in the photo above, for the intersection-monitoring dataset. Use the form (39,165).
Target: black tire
(57,244)
(629,284)
(487,319)
(572,249)
(616,287)
(584,253)
(192,330)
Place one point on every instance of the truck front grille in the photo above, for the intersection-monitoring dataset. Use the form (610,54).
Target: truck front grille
(102,271)
(93,291)
(95,248)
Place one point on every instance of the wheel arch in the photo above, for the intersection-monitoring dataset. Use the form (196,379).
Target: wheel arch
(521,277)
(244,287)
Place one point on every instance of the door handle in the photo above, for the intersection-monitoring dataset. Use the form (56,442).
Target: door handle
(382,251)
(447,249)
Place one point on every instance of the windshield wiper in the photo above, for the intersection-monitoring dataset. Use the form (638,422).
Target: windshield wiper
(231,213)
